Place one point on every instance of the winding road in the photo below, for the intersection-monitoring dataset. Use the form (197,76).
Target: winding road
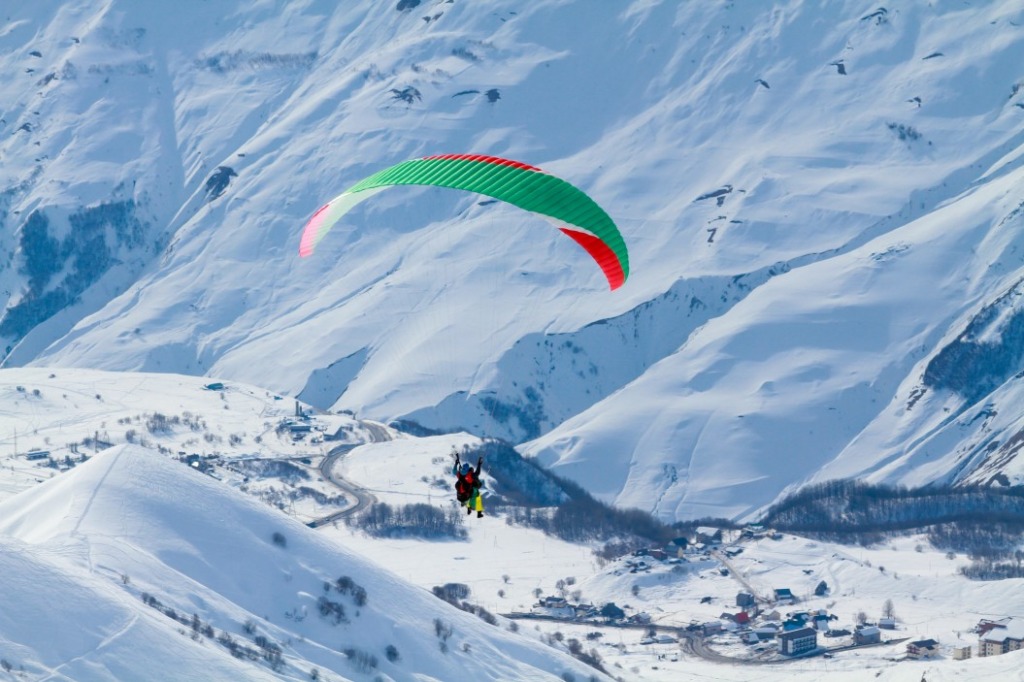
(378,434)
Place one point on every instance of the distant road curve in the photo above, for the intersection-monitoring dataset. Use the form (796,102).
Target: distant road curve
(378,434)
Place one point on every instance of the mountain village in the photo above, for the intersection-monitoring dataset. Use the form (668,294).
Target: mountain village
(726,299)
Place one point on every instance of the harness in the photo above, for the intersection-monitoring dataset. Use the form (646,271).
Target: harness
(464,485)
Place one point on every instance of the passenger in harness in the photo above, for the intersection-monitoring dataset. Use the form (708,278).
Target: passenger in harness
(468,484)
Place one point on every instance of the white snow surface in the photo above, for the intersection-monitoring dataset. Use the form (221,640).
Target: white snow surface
(81,546)
(871,184)
(80,550)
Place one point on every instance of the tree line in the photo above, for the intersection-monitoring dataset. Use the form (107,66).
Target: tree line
(414,520)
(985,523)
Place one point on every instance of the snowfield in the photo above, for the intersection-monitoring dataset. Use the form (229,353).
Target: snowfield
(93,542)
(822,203)
(824,210)
(930,599)
(85,543)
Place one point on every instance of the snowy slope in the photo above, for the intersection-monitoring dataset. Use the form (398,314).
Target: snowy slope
(504,565)
(818,198)
(130,522)
(80,551)
(807,381)
(72,414)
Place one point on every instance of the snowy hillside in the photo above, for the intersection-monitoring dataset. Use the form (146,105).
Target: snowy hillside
(820,200)
(131,565)
(123,543)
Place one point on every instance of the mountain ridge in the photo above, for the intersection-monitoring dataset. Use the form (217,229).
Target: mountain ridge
(724,140)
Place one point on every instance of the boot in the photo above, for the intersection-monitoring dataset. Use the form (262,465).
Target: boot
(479,514)
(469,510)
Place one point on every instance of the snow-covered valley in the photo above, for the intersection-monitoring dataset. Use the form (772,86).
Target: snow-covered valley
(159,546)
(823,205)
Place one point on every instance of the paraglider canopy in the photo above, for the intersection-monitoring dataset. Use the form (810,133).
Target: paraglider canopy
(517,183)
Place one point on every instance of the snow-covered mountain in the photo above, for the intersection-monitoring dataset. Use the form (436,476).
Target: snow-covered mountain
(131,566)
(128,564)
(822,203)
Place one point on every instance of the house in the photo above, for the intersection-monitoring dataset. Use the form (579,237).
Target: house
(1003,637)
(750,638)
(887,623)
(753,530)
(556,607)
(641,618)
(712,627)
(659,639)
(585,610)
(743,600)
(796,642)
(923,648)
(201,463)
(820,620)
(797,623)
(961,653)
(676,546)
(867,634)
(741,618)
(766,631)
(784,595)
(708,535)
(37,454)
(796,620)
(984,625)
(553,603)
(612,612)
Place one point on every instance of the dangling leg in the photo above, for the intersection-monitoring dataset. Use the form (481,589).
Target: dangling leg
(479,504)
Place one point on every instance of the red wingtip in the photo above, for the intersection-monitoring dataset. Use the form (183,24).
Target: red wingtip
(602,254)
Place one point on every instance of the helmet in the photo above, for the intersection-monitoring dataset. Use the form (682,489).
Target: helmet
(465,468)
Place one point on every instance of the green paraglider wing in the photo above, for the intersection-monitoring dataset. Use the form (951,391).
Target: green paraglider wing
(524,186)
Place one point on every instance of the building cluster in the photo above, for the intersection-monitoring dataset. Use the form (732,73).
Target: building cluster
(609,614)
(1002,636)
(995,637)
(795,633)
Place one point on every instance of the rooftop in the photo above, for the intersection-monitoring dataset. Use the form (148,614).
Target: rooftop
(1013,629)
(796,634)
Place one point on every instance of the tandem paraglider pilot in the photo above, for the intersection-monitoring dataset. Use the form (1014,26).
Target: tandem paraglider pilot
(468,484)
